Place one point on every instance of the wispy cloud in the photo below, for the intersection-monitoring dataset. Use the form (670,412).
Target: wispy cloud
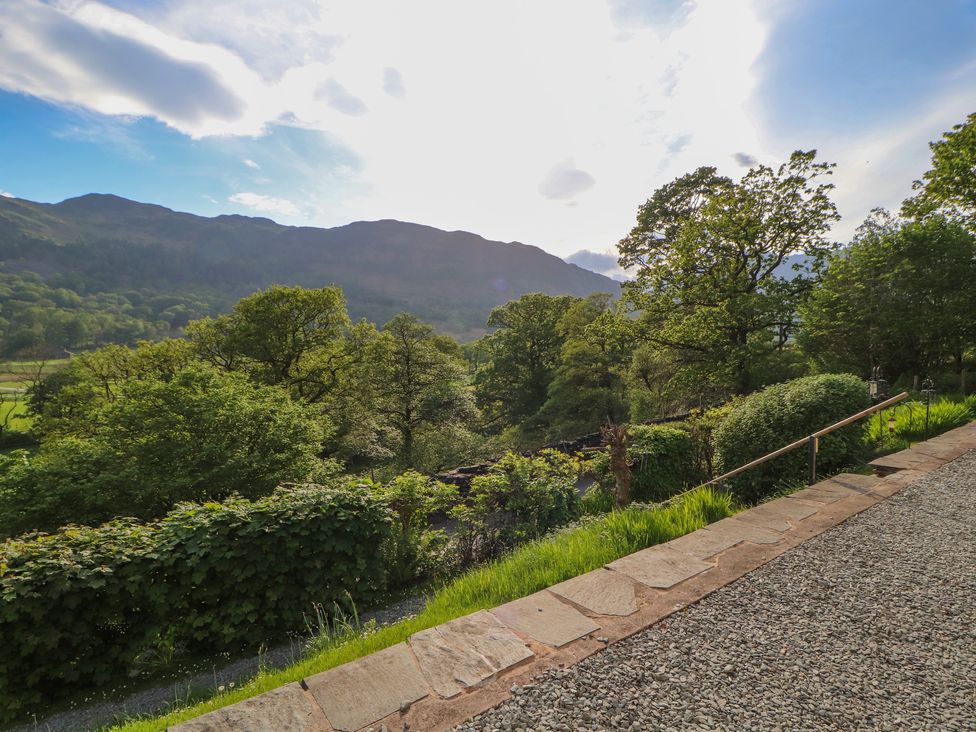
(251,164)
(7,194)
(266,204)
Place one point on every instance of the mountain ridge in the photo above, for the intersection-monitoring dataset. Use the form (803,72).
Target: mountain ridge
(452,279)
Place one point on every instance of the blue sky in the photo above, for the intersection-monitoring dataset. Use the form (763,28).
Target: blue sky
(545,122)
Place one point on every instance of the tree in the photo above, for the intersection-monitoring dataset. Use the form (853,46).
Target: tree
(587,388)
(290,336)
(418,383)
(200,435)
(523,353)
(900,297)
(708,256)
(949,186)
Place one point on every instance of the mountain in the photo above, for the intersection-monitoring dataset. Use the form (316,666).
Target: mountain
(98,244)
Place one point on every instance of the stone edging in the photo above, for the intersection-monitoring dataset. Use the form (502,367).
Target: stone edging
(444,675)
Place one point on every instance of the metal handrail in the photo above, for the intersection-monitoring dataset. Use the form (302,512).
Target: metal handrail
(812,442)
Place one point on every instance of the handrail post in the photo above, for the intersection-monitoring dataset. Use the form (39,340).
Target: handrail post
(812,446)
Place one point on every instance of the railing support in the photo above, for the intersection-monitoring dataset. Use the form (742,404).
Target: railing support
(813,444)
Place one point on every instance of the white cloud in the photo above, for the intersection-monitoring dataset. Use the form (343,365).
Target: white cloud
(636,98)
(565,181)
(266,204)
(604,263)
(7,194)
(251,164)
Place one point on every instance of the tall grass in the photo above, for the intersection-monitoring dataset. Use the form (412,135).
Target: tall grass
(944,415)
(530,568)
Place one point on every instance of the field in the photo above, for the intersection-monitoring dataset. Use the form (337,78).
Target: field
(15,378)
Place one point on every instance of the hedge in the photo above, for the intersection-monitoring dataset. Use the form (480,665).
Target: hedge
(77,608)
(663,460)
(782,413)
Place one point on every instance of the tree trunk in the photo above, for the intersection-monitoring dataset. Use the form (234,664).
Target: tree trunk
(618,441)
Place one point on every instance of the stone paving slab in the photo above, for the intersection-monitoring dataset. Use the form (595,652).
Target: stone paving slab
(659,566)
(720,536)
(855,481)
(496,643)
(546,619)
(285,709)
(364,691)
(601,591)
(465,652)
(906,460)
(449,667)
(777,515)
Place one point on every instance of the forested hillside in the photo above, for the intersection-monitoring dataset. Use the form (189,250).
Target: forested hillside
(102,269)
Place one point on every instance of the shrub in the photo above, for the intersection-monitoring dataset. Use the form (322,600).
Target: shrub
(414,547)
(780,414)
(663,460)
(520,498)
(77,608)
(201,435)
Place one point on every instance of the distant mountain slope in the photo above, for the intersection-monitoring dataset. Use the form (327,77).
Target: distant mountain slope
(452,279)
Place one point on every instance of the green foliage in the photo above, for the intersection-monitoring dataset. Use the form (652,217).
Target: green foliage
(662,460)
(708,253)
(201,435)
(44,318)
(780,414)
(944,415)
(586,389)
(78,607)
(530,568)
(520,498)
(418,387)
(949,186)
(901,296)
(520,356)
(414,549)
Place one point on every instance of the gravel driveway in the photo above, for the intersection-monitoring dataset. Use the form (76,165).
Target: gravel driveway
(869,626)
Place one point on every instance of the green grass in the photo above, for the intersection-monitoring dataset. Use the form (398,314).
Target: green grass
(528,569)
(19,419)
(909,426)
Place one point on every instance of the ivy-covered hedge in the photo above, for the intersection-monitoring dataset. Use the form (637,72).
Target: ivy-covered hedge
(663,460)
(78,607)
(782,413)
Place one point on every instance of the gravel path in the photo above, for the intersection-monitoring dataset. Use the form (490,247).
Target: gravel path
(870,626)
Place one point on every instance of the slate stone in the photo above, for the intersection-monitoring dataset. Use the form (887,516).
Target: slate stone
(496,643)
(602,592)
(466,652)
(285,709)
(862,483)
(546,619)
(753,534)
(659,566)
(904,460)
(364,691)
(776,515)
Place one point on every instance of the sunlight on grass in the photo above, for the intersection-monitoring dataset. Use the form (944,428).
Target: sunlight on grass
(528,569)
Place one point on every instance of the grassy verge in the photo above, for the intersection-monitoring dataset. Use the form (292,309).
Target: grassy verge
(528,569)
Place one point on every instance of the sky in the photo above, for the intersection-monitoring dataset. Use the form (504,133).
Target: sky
(542,121)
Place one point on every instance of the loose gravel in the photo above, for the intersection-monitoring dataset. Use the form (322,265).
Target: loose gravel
(869,626)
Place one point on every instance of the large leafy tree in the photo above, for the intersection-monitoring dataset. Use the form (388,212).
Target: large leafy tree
(708,256)
(419,388)
(290,336)
(198,435)
(587,389)
(900,297)
(521,357)
(949,186)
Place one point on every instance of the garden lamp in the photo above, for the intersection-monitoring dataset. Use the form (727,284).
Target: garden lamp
(928,390)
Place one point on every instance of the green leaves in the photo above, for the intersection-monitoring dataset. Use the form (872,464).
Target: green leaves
(779,414)
(219,576)
(707,255)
